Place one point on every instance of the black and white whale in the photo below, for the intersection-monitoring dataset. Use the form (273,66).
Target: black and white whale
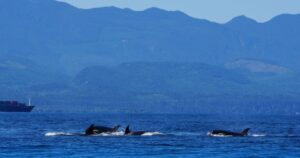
(93,129)
(133,133)
(229,133)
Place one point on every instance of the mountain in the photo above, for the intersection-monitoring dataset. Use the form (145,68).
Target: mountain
(275,40)
(64,55)
(188,88)
(159,77)
(70,39)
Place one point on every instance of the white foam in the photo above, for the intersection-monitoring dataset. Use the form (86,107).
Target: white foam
(258,135)
(72,134)
(58,134)
(217,135)
(221,135)
(109,134)
(151,133)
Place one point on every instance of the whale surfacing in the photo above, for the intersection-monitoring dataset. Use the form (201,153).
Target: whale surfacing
(133,133)
(229,133)
(100,129)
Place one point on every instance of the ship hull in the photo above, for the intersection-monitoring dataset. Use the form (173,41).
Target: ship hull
(16,108)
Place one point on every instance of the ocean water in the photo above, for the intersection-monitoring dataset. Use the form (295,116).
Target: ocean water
(59,135)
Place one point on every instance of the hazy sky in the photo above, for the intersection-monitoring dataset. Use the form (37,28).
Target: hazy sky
(214,10)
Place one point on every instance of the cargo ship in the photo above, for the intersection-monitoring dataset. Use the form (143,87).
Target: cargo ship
(15,106)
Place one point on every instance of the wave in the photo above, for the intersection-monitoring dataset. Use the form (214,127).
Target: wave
(108,134)
(121,133)
(217,135)
(257,135)
(151,133)
(186,134)
(51,134)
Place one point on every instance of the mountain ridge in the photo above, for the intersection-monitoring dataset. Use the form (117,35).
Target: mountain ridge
(62,27)
(49,49)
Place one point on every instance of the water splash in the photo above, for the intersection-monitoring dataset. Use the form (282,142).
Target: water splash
(51,134)
(108,134)
(151,133)
(217,135)
(120,133)
(258,135)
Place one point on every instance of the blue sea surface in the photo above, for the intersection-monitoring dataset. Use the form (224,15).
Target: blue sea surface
(59,135)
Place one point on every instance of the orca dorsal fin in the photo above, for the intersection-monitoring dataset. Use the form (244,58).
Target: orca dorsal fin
(127,130)
(245,131)
(89,130)
(91,126)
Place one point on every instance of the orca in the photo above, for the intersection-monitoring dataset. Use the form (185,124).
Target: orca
(100,129)
(229,133)
(133,133)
